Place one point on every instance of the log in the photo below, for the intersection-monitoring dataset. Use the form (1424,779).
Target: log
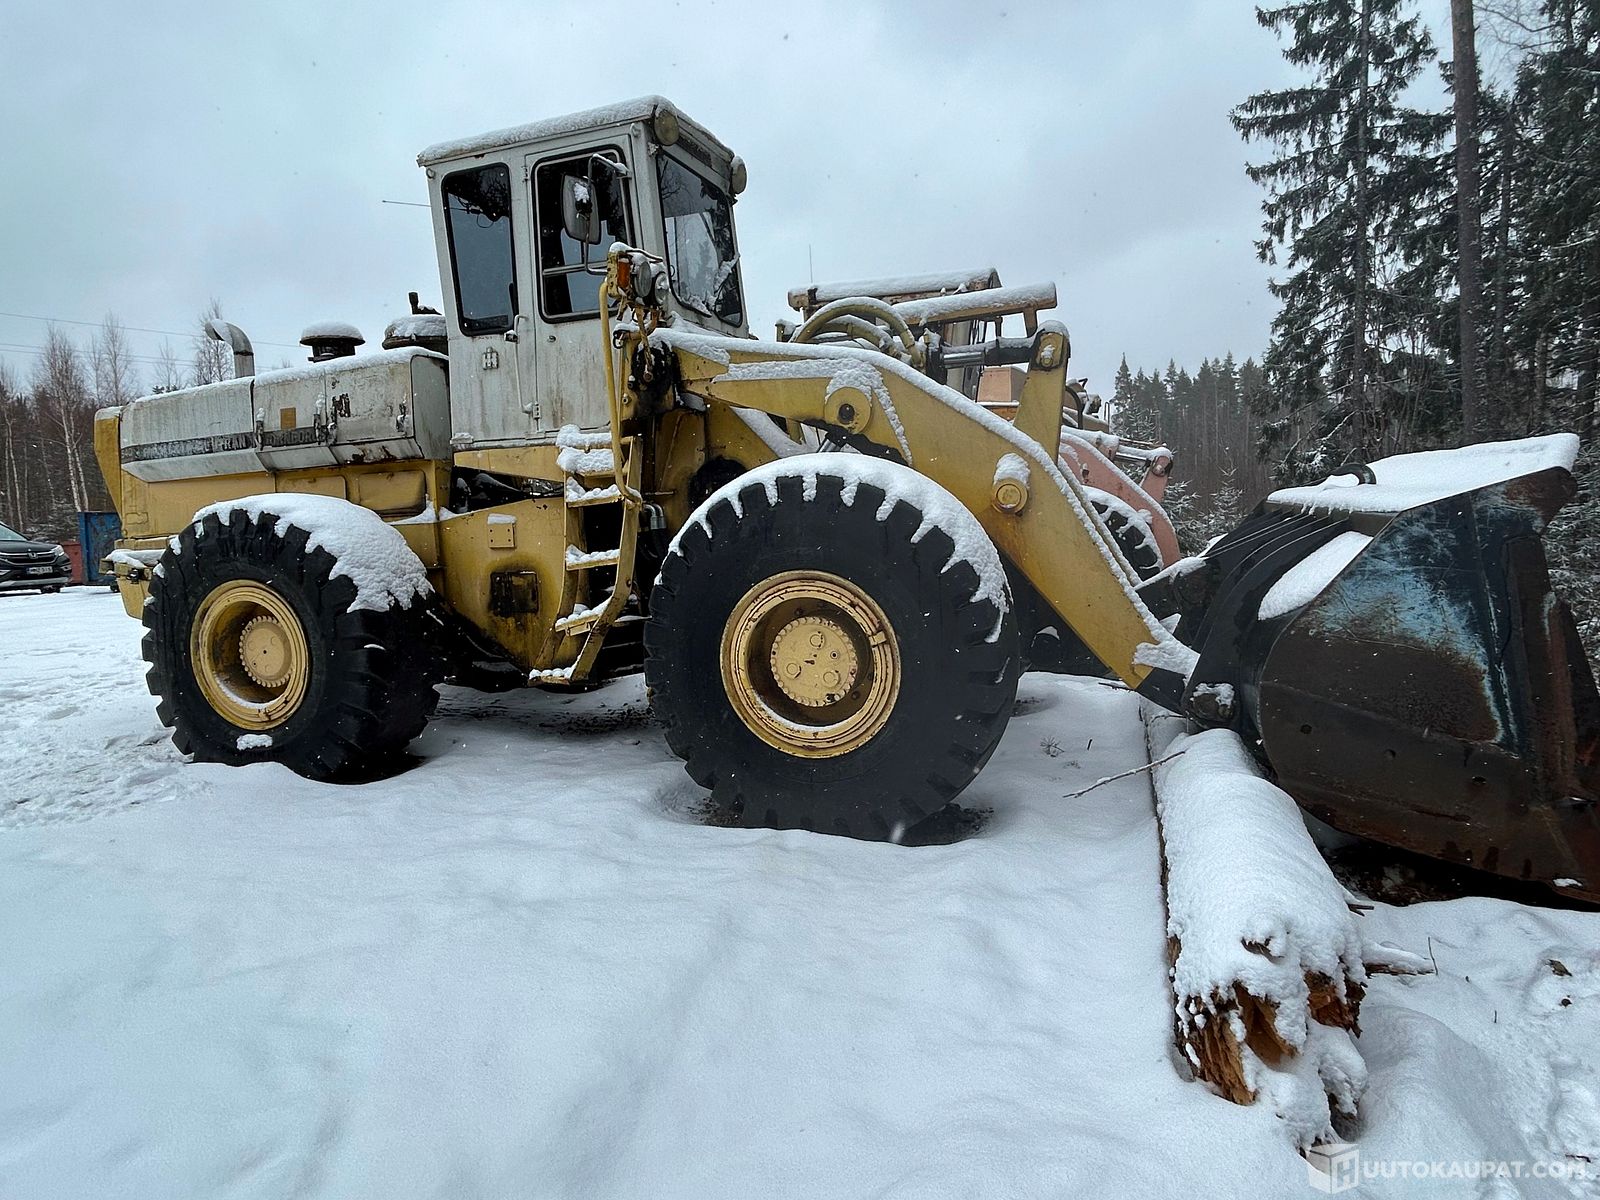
(1264,952)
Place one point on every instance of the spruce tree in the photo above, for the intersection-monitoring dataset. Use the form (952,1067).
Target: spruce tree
(1131,418)
(1558,97)
(1352,164)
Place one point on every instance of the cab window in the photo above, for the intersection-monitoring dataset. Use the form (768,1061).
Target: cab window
(566,288)
(477,213)
(700,250)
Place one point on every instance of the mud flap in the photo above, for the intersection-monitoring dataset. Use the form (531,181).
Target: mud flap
(1434,696)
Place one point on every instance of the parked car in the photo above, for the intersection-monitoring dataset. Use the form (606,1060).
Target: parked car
(25,563)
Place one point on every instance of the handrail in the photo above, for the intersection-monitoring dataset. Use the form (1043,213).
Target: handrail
(608,289)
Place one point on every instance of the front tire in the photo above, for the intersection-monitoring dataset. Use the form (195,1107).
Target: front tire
(819,668)
(256,653)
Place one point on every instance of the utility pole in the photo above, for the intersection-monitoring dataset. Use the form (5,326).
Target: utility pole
(1469,228)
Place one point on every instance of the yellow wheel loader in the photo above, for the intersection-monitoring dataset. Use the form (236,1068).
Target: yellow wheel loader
(829,560)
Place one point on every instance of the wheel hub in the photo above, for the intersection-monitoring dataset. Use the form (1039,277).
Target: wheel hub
(810,664)
(249,654)
(264,652)
(813,661)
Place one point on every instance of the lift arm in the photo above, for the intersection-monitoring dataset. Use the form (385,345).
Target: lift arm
(1036,515)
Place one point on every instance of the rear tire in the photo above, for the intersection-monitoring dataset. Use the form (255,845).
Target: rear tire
(333,693)
(756,574)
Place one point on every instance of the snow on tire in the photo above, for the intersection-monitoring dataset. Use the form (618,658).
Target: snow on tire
(831,646)
(290,629)
(1132,531)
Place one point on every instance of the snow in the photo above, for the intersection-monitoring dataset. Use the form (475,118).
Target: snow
(586,462)
(773,358)
(840,372)
(1217,811)
(773,438)
(233,981)
(577,616)
(805,367)
(940,510)
(221,386)
(1407,480)
(431,514)
(570,437)
(1492,1058)
(374,557)
(322,331)
(141,560)
(1304,582)
(416,326)
(1222,693)
(1011,468)
(1138,517)
(1093,450)
(584,453)
(642,108)
(976,279)
(1250,900)
(1187,565)
(868,382)
(254,741)
(591,558)
(1168,654)
(1001,300)
(576,493)
(312,372)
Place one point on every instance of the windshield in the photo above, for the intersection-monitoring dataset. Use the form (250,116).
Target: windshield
(7,534)
(700,250)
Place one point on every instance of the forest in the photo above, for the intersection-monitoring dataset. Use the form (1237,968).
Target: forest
(1437,270)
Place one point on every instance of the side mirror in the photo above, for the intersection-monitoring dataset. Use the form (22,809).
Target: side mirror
(580,216)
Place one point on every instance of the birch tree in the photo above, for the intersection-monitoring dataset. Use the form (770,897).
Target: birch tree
(212,361)
(64,397)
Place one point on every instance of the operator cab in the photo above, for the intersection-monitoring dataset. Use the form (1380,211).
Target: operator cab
(523,219)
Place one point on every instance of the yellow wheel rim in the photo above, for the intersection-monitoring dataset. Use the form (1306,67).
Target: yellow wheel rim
(249,654)
(810,664)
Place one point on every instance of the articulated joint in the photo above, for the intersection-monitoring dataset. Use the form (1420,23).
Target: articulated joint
(847,407)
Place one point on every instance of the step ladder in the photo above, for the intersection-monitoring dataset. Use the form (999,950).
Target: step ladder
(594,477)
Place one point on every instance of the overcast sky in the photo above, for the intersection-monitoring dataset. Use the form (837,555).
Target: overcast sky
(156,155)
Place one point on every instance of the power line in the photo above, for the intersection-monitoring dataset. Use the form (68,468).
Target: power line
(39,352)
(129,328)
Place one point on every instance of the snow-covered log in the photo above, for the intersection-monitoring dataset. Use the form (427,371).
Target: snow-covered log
(1266,959)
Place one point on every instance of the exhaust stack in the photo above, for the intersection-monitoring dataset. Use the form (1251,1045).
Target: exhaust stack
(244,355)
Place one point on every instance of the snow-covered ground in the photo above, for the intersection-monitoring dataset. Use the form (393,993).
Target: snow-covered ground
(526,967)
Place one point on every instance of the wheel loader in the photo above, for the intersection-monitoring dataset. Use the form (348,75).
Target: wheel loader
(829,560)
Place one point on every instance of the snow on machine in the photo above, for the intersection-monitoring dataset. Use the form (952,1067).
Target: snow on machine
(830,558)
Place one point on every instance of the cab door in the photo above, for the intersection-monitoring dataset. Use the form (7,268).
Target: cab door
(565,348)
(479,208)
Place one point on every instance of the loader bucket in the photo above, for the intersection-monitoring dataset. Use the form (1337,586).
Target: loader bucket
(1432,694)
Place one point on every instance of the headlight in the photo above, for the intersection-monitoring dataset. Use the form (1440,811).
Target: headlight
(61,554)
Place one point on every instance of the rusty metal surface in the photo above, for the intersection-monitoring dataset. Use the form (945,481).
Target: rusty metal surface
(1434,696)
